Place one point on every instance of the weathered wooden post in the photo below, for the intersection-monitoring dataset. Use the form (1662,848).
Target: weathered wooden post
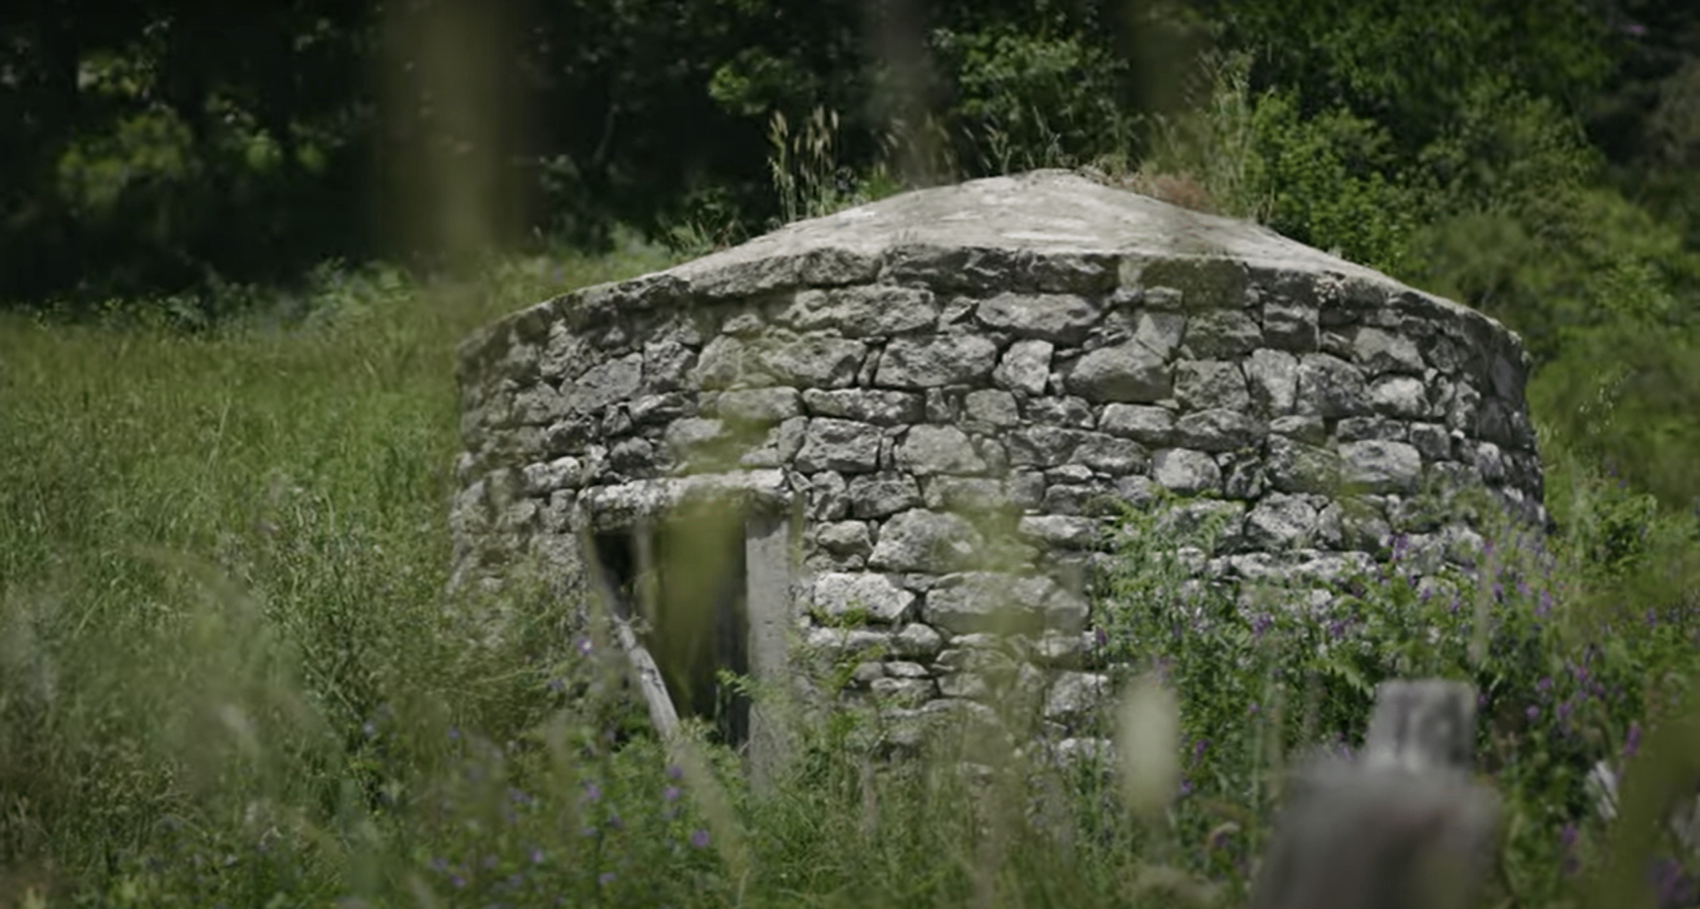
(1404,827)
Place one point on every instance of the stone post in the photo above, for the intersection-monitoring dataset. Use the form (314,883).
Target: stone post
(1405,827)
(770,610)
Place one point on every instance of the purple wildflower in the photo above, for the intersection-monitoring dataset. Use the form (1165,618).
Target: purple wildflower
(1675,889)
(1632,741)
(699,838)
(671,793)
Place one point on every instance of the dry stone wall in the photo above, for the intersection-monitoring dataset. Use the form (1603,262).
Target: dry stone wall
(949,392)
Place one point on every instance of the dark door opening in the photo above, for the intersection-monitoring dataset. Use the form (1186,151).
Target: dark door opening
(695,624)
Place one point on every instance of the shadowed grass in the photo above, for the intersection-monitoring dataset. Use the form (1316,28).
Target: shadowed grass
(221,555)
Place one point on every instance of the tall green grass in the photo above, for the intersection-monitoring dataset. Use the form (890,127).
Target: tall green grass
(223,636)
(230,675)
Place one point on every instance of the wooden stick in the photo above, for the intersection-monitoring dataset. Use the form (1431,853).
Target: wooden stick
(662,714)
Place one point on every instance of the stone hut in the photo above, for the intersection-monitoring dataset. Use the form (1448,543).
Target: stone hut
(910,418)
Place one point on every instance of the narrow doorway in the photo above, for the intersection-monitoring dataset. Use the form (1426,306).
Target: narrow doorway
(684,579)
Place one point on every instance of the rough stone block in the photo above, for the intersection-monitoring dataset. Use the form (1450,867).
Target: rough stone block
(1041,446)
(1272,379)
(1378,352)
(1329,387)
(867,405)
(1186,471)
(859,312)
(883,494)
(1109,454)
(1160,332)
(929,450)
(964,494)
(1280,522)
(872,595)
(759,405)
(1222,334)
(1064,411)
(841,445)
(992,407)
(925,541)
(1206,384)
(1297,467)
(1146,424)
(1129,373)
(976,602)
(1058,318)
(1025,367)
(810,361)
(917,362)
(1061,531)
(1382,466)
(1218,429)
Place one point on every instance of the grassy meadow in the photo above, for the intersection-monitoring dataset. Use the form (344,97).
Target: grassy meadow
(230,675)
